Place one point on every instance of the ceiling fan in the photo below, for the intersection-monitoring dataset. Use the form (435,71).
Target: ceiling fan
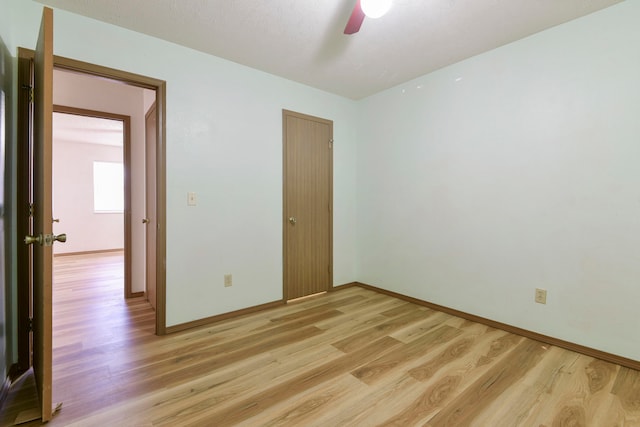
(369,8)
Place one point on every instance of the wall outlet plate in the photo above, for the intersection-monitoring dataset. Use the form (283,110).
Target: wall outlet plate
(541,296)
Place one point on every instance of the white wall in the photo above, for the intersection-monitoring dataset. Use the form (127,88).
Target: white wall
(224,141)
(82,91)
(515,169)
(73,198)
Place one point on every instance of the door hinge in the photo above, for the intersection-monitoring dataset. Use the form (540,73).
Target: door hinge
(31,209)
(30,324)
(30,89)
(331,143)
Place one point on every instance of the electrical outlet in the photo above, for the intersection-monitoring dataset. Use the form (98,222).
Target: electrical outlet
(191,199)
(228,280)
(541,296)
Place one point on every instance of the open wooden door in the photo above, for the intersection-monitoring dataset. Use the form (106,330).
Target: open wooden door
(41,238)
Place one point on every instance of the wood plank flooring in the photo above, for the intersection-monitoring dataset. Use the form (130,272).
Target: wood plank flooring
(352,357)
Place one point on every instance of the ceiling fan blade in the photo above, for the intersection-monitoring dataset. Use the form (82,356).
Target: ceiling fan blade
(355,20)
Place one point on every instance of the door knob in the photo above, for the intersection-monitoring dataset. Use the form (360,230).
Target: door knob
(29,240)
(292,220)
(145,220)
(55,220)
(45,240)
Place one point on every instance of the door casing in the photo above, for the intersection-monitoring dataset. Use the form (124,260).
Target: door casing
(159,86)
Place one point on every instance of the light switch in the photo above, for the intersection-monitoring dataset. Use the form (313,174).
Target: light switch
(191,198)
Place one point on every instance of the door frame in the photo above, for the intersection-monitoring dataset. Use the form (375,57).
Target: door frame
(25,58)
(285,202)
(126,161)
(160,88)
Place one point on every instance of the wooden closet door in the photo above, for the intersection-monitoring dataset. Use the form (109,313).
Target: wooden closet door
(307,204)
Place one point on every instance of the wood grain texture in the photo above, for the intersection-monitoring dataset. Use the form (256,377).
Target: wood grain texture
(307,197)
(352,357)
(42,199)
(568,345)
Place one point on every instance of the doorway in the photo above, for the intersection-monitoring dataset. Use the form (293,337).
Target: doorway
(96,99)
(308,205)
(153,93)
(91,153)
(90,157)
(79,76)
(26,107)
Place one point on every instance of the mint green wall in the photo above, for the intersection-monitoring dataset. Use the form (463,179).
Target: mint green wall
(468,187)
(515,169)
(224,142)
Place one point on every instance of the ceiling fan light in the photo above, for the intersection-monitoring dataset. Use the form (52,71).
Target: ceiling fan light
(375,8)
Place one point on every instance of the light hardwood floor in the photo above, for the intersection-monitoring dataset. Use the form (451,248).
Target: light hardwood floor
(353,357)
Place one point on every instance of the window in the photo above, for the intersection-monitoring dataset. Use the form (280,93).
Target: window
(108,187)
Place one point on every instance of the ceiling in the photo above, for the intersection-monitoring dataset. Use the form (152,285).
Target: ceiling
(303,40)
